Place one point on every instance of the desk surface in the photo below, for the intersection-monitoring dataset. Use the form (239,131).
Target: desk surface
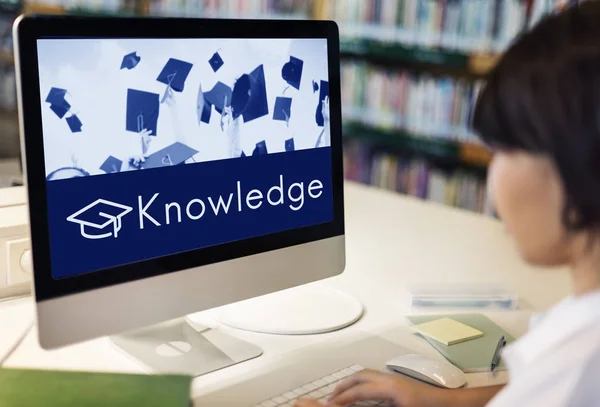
(392,241)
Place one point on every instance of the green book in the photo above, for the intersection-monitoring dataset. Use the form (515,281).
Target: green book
(474,355)
(37,388)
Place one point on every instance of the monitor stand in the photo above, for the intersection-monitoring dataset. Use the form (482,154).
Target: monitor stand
(184,347)
(187,347)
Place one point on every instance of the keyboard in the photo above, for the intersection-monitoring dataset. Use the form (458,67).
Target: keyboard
(320,389)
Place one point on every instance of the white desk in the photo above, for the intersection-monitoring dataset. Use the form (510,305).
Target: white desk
(391,241)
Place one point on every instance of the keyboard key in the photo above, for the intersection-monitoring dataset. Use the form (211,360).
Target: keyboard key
(268,403)
(357,368)
(300,391)
(310,387)
(279,400)
(339,375)
(320,382)
(348,371)
(329,379)
(329,388)
(290,395)
(317,394)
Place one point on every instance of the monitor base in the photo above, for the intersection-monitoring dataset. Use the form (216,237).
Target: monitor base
(184,347)
(303,310)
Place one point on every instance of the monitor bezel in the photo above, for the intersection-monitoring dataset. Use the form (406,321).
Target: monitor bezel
(31,28)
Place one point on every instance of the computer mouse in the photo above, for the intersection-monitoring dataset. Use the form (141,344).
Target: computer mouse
(433,371)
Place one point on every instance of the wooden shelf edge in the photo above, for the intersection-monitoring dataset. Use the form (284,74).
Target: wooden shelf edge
(41,8)
(470,154)
(475,63)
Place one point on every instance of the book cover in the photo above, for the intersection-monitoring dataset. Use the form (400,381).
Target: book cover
(474,355)
(45,388)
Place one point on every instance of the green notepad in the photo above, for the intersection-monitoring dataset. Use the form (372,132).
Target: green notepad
(37,388)
(474,355)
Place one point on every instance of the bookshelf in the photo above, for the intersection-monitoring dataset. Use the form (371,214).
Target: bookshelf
(411,73)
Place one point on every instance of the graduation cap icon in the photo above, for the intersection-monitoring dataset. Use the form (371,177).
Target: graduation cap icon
(282,110)
(100,215)
(175,73)
(322,94)
(219,96)
(142,111)
(249,98)
(111,164)
(216,62)
(289,145)
(260,149)
(174,154)
(292,72)
(315,86)
(130,61)
(74,123)
(58,104)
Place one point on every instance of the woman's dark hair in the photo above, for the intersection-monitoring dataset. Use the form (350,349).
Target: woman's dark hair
(543,97)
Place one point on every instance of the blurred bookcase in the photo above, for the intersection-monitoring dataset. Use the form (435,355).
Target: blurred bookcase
(411,71)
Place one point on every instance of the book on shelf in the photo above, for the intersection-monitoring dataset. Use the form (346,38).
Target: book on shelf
(415,177)
(421,104)
(471,26)
(232,8)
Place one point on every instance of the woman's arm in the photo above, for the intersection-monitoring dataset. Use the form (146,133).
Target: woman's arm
(402,391)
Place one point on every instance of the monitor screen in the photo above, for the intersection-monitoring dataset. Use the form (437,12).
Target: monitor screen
(154,147)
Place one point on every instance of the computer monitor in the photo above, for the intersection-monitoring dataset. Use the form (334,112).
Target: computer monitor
(175,165)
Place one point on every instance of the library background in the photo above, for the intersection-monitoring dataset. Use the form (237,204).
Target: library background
(411,72)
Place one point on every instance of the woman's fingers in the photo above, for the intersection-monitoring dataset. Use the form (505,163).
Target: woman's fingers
(307,403)
(356,379)
(364,392)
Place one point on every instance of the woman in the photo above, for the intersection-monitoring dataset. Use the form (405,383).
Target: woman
(540,112)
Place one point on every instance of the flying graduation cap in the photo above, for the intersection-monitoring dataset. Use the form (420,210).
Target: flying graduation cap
(203,108)
(130,61)
(292,72)
(74,123)
(322,94)
(174,154)
(219,96)
(289,145)
(249,97)
(260,149)
(282,110)
(216,62)
(111,164)
(142,111)
(175,73)
(56,96)
(61,110)
(100,215)
(315,86)
(58,104)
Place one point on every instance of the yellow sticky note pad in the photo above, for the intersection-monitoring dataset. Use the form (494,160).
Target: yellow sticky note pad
(448,331)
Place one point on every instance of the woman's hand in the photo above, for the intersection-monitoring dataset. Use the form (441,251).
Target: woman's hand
(136,161)
(370,385)
(325,109)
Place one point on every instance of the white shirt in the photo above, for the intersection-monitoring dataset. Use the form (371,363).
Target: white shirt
(557,363)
